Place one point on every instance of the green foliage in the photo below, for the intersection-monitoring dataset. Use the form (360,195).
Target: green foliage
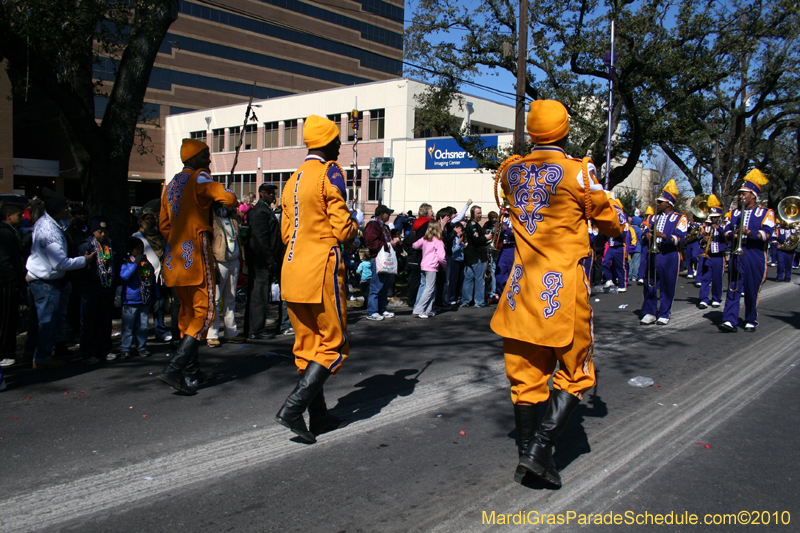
(681,72)
(56,45)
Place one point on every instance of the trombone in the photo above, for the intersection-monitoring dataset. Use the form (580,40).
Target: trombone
(652,252)
(739,250)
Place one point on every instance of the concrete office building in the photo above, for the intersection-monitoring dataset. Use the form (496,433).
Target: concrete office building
(432,169)
(211,56)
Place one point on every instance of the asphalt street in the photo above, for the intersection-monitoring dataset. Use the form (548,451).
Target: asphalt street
(430,444)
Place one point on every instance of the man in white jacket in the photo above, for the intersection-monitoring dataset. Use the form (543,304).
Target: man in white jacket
(48,288)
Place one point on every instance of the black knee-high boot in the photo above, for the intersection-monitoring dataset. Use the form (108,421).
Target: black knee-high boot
(319,419)
(173,374)
(308,386)
(538,457)
(526,418)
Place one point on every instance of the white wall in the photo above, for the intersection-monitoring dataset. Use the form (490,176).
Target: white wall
(412,184)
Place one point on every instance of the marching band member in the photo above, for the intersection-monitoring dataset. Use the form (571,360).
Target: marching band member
(712,267)
(693,252)
(643,258)
(749,270)
(589,261)
(188,263)
(507,245)
(784,257)
(544,315)
(314,224)
(669,229)
(615,260)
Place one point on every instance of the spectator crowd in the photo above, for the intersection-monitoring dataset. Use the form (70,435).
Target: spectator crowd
(63,280)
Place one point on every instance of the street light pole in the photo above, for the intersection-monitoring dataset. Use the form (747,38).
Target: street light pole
(522,69)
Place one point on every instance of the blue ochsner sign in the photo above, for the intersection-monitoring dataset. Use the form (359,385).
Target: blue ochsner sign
(444,153)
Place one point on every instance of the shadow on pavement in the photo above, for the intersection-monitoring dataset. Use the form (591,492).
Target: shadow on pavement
(375,393)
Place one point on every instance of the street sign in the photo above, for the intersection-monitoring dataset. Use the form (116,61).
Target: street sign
(381,168)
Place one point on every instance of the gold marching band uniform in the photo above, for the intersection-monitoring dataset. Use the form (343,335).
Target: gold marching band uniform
(188,264)
(314,225)
(544,314)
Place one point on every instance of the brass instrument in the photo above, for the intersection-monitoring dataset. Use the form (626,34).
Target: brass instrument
(709,239)
(652,252)
(700,212)
(740,229)
(496,243)
(792,242)
(789,210)
(789,213)
(700,207)
(738,251)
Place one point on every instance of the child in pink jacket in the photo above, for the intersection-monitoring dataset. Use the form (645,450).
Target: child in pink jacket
(433,259)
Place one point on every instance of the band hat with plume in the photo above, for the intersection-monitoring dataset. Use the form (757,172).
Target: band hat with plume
(319,132)
(714,207)
(548,121)
(753,181)
(669,193)
(649,210)
(190,148)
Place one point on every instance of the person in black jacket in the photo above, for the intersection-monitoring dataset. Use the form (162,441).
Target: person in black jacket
(12,280)
(264,256)
(475,257)
(97,284)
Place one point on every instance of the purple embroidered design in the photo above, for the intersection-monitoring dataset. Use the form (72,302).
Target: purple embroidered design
(188,248)
(513,286)
(296,222)
(623,218)
(552,282)
(529,190)
(175,192)
(168,256)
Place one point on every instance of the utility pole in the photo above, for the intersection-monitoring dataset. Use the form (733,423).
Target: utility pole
(522,69)
(610,134)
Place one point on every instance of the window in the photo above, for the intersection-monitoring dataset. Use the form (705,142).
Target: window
(377,118)
(353,197)
(243,184)
(375,192)
(199,135)
(250,136)
(270,135)
(218,143)
(290,133)
(337,119)
(278,179)
(233,137)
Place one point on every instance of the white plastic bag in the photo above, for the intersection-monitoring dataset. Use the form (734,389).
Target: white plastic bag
(640,382)
(275,292)
(386,262)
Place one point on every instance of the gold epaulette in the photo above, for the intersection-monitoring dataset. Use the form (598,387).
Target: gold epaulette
(322,178)
(500,170)
(587,187)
